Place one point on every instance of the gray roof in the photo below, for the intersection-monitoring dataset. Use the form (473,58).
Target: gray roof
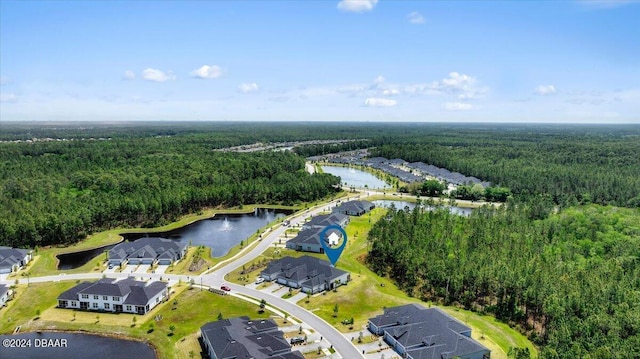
(11,256)
(305,270)
(136,292)
(311,236)
(149,248)
(243,338)
(427,331)
(325,220)
(354,206)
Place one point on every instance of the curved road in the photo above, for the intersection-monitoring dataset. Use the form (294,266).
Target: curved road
(215,279)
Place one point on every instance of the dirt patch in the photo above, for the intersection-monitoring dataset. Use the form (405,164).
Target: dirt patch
(197,264)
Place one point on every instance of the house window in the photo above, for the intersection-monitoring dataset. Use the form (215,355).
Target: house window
(116,299)
(106,305)
(128,308)
(96,297)
(94,305)
(63,304)
(104,297)
(85,296)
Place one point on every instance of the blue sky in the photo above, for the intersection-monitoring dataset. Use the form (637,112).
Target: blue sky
(365,60)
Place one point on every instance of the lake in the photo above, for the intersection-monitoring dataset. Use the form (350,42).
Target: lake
(399,204)
(48,345)
(220,233)
(355,177)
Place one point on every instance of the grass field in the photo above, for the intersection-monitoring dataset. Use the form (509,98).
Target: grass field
(194,308)
(367,294)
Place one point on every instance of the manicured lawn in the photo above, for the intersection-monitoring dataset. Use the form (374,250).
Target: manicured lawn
(194,308)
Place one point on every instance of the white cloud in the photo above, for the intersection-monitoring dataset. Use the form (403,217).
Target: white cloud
(415,18)
(391,92)
(248,87)
(207,72)
(461,85)
(8,98)
(380,102)
(156,75)
(357,5)
(544,90)
(129,75)
(378,80)
(457,106)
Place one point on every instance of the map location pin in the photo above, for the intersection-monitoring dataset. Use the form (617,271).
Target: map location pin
(328,238)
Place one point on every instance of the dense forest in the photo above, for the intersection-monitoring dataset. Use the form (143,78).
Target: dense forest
(577,166)
(58,192)
(571,281)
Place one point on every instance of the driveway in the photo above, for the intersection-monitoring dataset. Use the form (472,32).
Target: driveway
(143,268)
(161,269)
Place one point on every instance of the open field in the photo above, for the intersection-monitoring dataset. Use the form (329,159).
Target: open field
(194,308)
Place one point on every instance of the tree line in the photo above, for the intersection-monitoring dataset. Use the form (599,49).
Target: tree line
(58,192)
(570,281)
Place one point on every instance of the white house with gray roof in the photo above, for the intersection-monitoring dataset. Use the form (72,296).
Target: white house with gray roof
(118,296)
(148,250)
(242,337)
(416,332)
(13,259)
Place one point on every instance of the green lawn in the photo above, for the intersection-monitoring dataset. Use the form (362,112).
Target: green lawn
(194,308)
(355,300)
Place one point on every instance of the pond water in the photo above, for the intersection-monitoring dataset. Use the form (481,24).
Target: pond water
(48,345)
(78,259)
(355,177)
(220,233)
(402,204)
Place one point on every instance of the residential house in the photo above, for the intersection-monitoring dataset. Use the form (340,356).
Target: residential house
(5,294)
(242,337)
(354,208)
(310,274)
(111,295)
(325,220)
(13,259)
(307,240)
(148,250)
(416,332)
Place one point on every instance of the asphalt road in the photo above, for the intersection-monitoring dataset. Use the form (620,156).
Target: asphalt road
(215,278)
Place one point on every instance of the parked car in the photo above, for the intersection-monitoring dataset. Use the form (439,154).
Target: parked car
(296,340)
(225,288)
(259,280)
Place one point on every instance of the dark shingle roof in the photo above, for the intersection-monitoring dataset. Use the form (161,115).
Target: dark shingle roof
(137,292)
(243,338)
(311,236)
(427,331)
(354,207)
(11,256)
(148,247)
(305,270)
(325,220)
